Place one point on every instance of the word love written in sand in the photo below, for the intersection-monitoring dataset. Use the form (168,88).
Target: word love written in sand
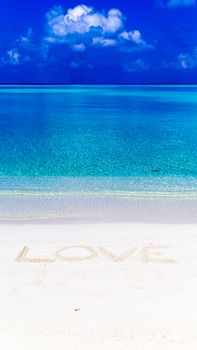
(79,253)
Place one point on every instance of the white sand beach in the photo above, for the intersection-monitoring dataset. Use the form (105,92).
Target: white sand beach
(98,286)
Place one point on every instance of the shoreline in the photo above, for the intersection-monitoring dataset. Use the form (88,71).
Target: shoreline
(162,194)
(91,208)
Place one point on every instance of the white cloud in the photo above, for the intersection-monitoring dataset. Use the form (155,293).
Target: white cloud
(80,20)
(176,3)
(12,57)
(183,61)
(19,52)
(135,37)
(187,61)
(77,12)
(104,41)
(83,26)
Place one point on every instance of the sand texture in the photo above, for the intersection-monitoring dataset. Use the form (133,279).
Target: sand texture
(98,286)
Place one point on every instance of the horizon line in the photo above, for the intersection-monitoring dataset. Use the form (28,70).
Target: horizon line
(3,84)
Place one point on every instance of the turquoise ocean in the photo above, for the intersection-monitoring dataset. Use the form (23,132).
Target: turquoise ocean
(98,137)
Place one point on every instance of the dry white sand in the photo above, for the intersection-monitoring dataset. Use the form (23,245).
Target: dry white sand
(98,286)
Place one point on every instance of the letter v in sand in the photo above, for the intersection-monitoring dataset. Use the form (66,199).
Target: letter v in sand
(117,258)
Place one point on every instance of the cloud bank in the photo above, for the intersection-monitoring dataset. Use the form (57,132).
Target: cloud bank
(83,26)
(73,38)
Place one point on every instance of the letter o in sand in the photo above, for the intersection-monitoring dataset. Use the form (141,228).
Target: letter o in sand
(91,253)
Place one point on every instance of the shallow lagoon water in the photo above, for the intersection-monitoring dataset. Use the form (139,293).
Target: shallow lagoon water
(98,151)
(98,131)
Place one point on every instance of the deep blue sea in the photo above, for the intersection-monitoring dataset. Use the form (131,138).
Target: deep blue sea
(105,131)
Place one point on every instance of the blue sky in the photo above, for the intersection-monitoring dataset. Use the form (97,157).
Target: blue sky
(119,41)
